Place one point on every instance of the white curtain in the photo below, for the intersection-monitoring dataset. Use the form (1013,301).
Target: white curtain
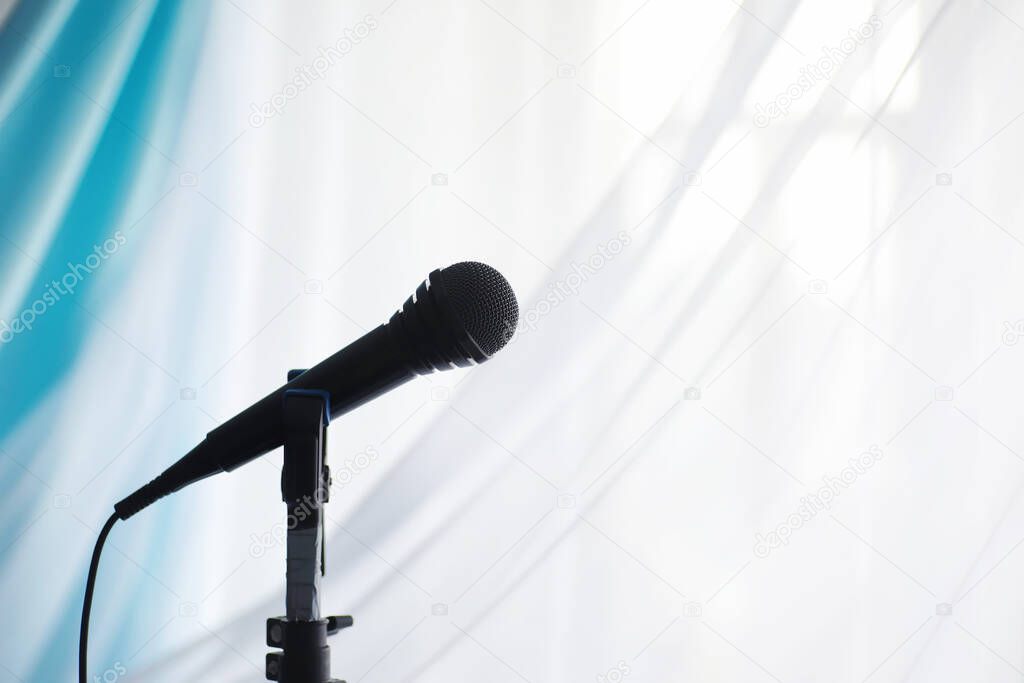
(759,419)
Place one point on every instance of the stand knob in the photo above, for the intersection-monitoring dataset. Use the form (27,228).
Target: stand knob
(335,624)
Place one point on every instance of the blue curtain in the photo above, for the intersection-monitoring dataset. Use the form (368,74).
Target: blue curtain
(92,95)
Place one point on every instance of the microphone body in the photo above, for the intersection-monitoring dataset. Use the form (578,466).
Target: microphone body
(360,372)
(430,332)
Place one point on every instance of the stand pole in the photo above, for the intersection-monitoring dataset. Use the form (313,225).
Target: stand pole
(305,486)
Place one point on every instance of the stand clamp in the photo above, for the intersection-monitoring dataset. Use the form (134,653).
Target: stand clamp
(305,487)
(306,655)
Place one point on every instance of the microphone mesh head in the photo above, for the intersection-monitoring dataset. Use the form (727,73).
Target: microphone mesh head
(484,302)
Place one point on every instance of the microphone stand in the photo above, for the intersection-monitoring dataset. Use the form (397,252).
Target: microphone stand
(301,635)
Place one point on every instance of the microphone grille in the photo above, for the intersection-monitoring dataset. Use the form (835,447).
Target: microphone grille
(484,303)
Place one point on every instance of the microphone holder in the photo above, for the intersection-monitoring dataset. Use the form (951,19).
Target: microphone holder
(301,635)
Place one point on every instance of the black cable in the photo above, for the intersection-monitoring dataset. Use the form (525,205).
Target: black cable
(90,584)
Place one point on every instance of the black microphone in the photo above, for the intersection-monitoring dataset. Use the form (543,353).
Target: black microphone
(460,316)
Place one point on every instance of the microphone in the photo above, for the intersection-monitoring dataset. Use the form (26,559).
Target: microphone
(459,316)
